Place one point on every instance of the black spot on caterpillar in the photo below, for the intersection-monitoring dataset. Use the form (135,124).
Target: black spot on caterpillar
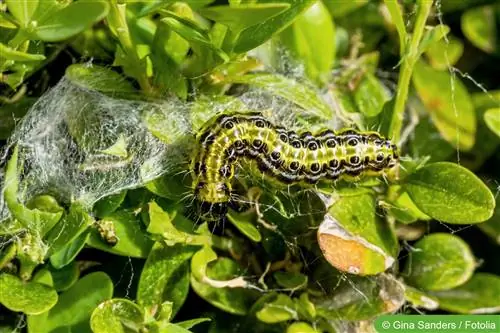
(286,156)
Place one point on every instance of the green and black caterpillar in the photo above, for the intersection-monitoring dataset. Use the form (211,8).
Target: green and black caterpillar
(285,156)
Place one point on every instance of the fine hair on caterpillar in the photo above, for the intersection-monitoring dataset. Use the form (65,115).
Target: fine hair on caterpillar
(284,156)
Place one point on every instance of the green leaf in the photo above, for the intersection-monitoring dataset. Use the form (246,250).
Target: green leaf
(438,262)
(479,26)
(165,277)
(445,53)
(69,251)
(99,78)
(10,114)
(420,299)
(73,223)
(259,33)
(301,327)
(492,120)
(486,141)
(22,10)
(220,284)
(70,20)
(342,8)
(168,52)
(280,310)
(192,33)
(153,6)
(9,53)
(116,315)
(371,95)
(244,222)
(289,89)
(161,222)
(109,204)
(133,241)
(45,203)
(31,219)
(492,226)
(74,307)
(402,207)
(291,280)
(480,295)
(448,103)
(187,324)
(240,17)
(450,193)
(66,277)
(427,141)
(311,40)
(354,239)
(431,36)
(27,297)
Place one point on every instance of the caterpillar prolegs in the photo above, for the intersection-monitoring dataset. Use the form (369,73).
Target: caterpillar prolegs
(283,155)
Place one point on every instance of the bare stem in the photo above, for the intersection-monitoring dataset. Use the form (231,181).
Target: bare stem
(409,56)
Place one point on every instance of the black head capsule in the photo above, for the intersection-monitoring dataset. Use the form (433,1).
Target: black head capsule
(213,211)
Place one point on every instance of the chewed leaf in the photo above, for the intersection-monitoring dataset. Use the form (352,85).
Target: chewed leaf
(353,239)
(420,299)
(438,262)
(450,193)
(280,310)
(368,298)
(222,284)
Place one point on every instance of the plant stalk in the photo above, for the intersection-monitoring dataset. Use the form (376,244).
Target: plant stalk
(409,56)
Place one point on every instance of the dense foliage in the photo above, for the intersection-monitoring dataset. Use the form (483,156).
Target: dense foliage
(97,230)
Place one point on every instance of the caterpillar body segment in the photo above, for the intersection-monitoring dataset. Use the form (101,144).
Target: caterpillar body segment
(282,155)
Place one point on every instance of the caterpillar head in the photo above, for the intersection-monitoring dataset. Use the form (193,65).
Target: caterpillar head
(213,200)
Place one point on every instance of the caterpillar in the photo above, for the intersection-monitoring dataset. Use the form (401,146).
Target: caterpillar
(285,156)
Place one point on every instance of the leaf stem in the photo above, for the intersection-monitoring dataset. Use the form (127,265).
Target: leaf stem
(409,56)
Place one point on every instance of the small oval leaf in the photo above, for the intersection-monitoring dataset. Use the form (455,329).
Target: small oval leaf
(450,193)
(115,316)
(439,261)
(27,297)
(492,120)
(480,295)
